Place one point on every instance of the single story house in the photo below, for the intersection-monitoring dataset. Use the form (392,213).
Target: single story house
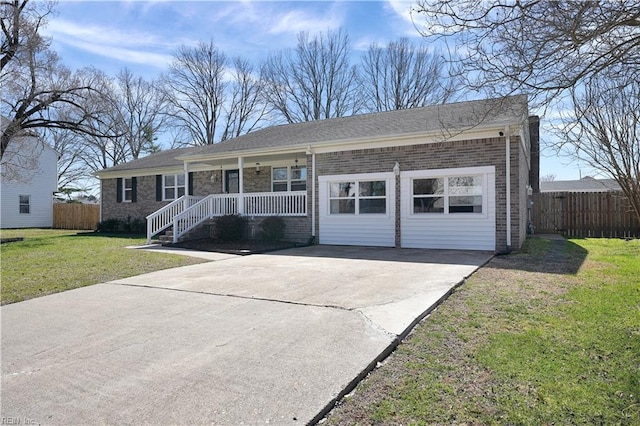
(29,180)
(586,184)
(452,176)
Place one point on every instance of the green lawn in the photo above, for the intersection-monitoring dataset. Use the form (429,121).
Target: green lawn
(547,336)
(49,261)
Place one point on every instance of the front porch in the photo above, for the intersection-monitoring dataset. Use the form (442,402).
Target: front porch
(188,211)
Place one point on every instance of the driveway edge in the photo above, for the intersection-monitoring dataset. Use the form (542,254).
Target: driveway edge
(387,351)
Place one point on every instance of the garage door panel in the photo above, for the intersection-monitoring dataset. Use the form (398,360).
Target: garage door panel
(466,231)
(360,228)
(350,231)
(470,235)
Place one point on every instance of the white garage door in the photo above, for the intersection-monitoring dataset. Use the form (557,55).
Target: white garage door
(357,209)
(449,208)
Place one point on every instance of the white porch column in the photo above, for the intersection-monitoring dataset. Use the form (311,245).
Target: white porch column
(186,187)
(240,186)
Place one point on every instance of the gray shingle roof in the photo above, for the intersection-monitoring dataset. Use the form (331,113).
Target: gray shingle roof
(159,159)
(586,184)
(449,119)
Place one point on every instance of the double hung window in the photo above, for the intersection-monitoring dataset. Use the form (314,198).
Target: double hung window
(173,186)
(289,178)
(127,189)
(25,204)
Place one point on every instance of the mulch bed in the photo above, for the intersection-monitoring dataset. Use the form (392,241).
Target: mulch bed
(244,247)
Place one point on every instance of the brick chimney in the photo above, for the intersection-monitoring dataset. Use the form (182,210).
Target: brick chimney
(534,139)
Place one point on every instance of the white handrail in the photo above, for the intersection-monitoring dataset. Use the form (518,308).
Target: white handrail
(162,218)
(199,209)
(208,207)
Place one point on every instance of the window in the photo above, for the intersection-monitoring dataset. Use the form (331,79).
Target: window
(358,197)
(448,195)
(428,195)
(25,204)
(299,178)
(173,186)
(127,189)
(289,178)
(465,194)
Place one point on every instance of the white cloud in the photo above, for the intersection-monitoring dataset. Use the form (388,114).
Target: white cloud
(126,46)
(276,18)
(402,8)
(296,21)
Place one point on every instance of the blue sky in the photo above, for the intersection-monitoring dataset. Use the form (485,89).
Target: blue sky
(142,35)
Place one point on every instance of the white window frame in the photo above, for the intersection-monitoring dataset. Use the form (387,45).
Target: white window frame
(357,196)
(175,187)
(27,204)
(445,174)
(127,190)
(289,181)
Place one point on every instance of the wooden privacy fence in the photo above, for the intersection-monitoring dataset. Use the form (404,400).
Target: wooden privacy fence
(76,216)
(584,214)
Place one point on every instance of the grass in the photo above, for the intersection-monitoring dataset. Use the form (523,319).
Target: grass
(550,335)
(49,261)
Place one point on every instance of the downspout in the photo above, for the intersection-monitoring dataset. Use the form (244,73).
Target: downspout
(507,133)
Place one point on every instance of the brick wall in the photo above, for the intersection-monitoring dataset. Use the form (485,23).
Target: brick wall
(146,199)
(472,153)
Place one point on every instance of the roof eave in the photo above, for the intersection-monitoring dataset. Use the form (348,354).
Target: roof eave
(491,130)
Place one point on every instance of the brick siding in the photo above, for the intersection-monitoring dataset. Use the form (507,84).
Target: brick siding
(470,153)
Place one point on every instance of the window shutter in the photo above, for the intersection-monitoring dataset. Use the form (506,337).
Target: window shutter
(190,184)
(158,187)
(119,190)
(134,189)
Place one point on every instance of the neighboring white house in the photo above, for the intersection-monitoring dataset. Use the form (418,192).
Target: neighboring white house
(29,179)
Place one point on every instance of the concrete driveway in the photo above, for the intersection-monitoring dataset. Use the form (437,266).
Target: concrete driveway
(262,339)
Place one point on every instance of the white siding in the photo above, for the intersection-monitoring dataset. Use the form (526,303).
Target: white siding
(40,185)
(363,229)
(452,231)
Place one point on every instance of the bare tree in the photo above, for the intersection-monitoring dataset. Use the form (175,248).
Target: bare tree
(100,152)
(196,89)
(68,145)
(33,80)
(604,129)
(539,47)
(314,81)
(142,108)
(402,75)
(247,107)
(549,177)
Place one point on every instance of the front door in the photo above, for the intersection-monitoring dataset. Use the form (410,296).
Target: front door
(232,181)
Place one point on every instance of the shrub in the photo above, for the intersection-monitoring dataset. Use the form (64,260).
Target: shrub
(122,226)
(229,228)
(108,225)
(272,228)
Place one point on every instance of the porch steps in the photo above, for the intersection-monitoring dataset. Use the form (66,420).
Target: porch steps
(204,230)
(166,238)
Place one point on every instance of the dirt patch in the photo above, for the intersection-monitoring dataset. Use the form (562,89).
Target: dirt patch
(11,240)
(244,247)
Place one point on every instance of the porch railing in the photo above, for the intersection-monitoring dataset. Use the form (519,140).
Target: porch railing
(198,209)
(276,203)
(162,218)
(208,207)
